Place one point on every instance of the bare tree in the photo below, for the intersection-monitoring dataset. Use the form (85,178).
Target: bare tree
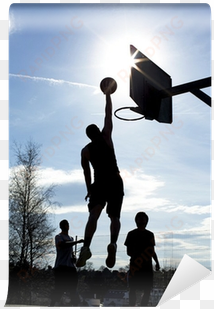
(30,237)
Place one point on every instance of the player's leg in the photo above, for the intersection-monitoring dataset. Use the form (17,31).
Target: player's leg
(132,291)
(91,225)
(95,207)
(114,229)
(72,276)
(147,287)
(112,247)
(90,229)
(113,210)
(58,288)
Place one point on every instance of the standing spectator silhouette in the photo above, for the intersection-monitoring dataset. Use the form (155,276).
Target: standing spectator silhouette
(65,272)
(140,244)
(106,188)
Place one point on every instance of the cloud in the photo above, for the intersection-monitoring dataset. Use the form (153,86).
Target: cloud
(53,81)
(48,176)
(71,209)
(202,229)
(13,24)
(149,192)
(195,209)
(59,177)
(141,190)
(141,184)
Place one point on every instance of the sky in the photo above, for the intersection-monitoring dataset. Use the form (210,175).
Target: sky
(58,55)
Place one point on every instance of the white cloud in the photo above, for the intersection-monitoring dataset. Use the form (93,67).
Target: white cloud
(140,183)
(142,191)
(195,209)
(51,176)
(71,209)
(13,25)
(48,176)
(52,81)
(203,228)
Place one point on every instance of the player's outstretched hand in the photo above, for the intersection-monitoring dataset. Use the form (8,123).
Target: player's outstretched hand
(87,196)
(157,267)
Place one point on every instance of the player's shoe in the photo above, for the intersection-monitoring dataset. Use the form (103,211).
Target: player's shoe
(111,258)
(85,254)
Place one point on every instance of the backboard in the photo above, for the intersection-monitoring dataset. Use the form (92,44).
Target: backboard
(146,82)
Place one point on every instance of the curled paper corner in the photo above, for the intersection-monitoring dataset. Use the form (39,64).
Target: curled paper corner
(188,273)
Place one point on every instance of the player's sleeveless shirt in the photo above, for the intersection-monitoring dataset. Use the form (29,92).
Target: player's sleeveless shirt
(103,160)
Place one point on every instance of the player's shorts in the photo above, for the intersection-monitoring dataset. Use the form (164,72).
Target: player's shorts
(108,192)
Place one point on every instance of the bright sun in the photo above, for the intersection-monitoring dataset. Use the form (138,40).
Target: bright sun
(118,58)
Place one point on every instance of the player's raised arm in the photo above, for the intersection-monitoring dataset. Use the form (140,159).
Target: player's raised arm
(108,86)
(108,124)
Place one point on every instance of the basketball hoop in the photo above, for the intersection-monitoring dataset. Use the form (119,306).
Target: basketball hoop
(126,119)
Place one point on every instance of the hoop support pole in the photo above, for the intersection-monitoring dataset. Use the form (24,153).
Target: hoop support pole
(193,87)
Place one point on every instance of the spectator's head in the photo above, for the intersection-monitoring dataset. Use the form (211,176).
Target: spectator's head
(64,225)
(141,219)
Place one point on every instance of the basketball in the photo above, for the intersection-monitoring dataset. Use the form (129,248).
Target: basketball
(108,85)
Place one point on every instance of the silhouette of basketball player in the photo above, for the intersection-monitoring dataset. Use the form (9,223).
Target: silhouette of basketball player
(107,187)
(65,273)
(140,244)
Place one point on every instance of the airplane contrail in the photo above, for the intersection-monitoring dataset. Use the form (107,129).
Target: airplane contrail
(55,81)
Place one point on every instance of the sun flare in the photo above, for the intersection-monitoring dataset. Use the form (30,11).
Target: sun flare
(118,59)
